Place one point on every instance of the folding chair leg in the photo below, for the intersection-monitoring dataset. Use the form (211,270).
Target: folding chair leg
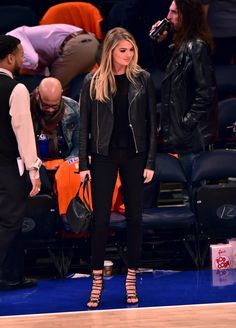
(61,261)
(193,253)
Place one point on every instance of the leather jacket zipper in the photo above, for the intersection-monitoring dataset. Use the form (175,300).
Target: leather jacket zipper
(130,124)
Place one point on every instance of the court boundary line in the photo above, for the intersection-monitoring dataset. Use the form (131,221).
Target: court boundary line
(122,309)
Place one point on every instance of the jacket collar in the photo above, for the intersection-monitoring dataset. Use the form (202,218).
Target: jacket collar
(134,89)
(177,54)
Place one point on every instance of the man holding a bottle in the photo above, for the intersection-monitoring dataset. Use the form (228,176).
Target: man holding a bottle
(188,124)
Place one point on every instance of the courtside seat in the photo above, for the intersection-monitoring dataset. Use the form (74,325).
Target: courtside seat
(226,82)
(117,221)
(217,164)
(227,123)
(171,222)
(162,224)
(170,218)
(41,220)
(40,231)
(214,189)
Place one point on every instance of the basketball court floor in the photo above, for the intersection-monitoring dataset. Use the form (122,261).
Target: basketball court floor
(168,298)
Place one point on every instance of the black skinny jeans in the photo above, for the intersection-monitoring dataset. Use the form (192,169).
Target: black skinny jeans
(104,170)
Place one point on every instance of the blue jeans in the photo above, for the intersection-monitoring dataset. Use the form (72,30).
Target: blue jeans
(186,162)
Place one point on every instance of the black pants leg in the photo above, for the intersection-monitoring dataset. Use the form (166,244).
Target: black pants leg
(131,174)
(13,197)
(104,171)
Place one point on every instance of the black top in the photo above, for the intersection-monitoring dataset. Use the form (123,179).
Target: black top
(122,135)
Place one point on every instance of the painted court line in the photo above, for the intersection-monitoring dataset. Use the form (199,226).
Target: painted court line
(117,310)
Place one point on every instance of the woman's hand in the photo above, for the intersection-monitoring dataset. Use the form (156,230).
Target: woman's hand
(148,175)
(83,175)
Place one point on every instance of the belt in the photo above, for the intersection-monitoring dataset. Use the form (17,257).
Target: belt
(71,36)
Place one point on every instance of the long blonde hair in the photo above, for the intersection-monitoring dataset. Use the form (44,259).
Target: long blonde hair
(103,79)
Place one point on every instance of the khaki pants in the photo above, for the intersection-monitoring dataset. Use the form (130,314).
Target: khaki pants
(78,56)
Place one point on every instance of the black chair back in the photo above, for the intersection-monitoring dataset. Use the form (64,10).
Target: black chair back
(214,180)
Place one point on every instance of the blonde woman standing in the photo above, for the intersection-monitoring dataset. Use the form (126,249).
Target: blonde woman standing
(118,115)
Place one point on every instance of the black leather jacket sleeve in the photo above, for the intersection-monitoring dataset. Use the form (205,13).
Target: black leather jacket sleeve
(202,75)
(85,114)
(152,125)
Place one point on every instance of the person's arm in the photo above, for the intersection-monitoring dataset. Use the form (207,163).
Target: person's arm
(75,134)
(23,128)
(31,57)
(203,79)
(85,104)
(152,124)
(151,128)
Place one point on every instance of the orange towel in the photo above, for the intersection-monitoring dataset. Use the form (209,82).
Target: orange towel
(53,164)
(81,14)
(67,184)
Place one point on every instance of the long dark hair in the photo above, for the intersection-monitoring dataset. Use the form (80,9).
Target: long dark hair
(194,23)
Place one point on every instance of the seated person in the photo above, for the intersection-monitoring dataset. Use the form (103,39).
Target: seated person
(56,121)
(60,50)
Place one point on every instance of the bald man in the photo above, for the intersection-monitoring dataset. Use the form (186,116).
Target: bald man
(56,121)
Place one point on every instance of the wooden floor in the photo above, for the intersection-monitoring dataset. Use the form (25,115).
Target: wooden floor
(199,316)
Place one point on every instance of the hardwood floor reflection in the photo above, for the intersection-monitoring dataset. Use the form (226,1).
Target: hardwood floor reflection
(199,316)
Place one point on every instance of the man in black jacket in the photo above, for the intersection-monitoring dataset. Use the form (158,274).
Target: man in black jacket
(188,114)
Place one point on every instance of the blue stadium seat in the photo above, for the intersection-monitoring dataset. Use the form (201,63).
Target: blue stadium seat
(227,123)
(213,180)
(226,81)
(171,222)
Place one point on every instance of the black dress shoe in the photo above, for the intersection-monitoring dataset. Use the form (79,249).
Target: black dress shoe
(11,285)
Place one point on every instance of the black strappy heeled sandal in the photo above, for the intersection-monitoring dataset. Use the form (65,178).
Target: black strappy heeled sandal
(130,285)
(96,291)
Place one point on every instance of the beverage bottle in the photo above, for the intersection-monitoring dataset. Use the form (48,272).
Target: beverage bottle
(43,145)
(164,25)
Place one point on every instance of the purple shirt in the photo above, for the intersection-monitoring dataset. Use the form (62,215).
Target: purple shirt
(41,44)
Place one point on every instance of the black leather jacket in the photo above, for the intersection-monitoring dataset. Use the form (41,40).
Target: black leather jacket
(96,121)
(189,102)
